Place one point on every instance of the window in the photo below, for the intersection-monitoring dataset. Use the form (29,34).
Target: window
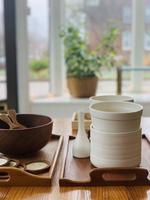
(38,47)
(93,2)
(126,41)
(96,21)
(147,14)
(3,89)
(147,41)
(93,19)
(127,15)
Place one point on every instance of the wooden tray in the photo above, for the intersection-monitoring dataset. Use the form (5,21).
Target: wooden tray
(74,122)
(12,176)
(80,172)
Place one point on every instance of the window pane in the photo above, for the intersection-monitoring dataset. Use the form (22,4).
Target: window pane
(38,45)
(127,14)
(3,90)
(126,41)
(147,14)
(146,74)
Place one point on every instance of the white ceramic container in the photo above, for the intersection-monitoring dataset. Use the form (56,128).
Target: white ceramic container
(81,145)
(110,149)
(111,138)
(117,98)
(117,117)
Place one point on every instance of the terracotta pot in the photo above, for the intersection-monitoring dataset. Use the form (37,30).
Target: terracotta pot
(82,87)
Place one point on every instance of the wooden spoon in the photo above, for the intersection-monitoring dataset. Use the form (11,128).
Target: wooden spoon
(12,115)
(7,120)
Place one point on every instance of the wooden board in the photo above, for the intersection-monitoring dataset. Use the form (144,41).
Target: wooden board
(12,176)
(80,172)
(74,122)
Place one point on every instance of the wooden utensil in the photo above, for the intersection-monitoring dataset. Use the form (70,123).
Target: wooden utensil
(11,120)
(12,115)
(7,120)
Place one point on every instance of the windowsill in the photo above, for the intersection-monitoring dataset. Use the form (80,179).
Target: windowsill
(61,99)
(138,97)
(64,106)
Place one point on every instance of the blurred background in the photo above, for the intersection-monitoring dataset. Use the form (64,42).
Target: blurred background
(32,64)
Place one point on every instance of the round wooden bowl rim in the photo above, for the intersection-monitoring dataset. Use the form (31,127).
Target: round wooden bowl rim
(29,128)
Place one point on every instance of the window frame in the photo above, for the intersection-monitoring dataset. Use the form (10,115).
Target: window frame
(56,53)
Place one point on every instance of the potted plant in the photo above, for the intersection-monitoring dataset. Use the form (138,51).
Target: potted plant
(83,64)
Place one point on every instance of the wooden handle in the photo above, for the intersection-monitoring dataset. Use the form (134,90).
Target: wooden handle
(7,120)
(119,176)
(12,115)
(11,176)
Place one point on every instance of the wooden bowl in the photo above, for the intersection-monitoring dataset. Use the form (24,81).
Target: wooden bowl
(28,140)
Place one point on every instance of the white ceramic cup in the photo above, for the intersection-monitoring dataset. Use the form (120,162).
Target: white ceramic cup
(117,98)
(116,116)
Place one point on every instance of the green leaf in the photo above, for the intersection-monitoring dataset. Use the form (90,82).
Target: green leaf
(80,60)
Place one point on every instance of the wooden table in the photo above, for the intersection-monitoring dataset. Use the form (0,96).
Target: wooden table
(77,193)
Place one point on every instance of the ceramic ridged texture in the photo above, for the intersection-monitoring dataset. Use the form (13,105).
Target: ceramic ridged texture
(114,149)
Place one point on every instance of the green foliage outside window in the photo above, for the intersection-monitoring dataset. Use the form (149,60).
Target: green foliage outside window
(80,60)
(37,65)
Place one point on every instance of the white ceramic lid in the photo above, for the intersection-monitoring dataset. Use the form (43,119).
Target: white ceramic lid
(116,110)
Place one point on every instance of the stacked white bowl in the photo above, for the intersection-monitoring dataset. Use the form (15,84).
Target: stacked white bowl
(115,134)
(116,98)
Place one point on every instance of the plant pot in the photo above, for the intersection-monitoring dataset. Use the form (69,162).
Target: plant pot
(82,87)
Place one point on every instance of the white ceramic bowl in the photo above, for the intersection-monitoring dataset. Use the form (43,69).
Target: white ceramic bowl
(97,161)
(118,98)
(116,116)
